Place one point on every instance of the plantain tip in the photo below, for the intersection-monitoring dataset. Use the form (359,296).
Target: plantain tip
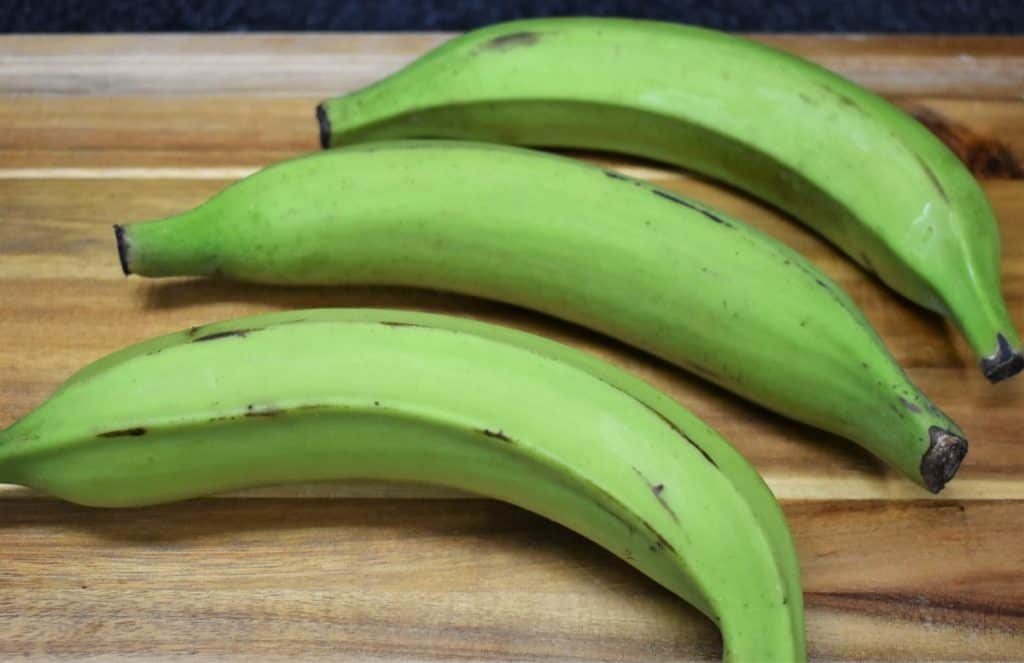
(122,248)
(325,126)
(940,463)
(1004,363)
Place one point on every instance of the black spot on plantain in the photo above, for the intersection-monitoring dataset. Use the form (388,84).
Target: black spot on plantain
(671,424)
(242,333)
(252,411)
(395,323)
(510,41)
(932,177)
(681,434)
(616,175)
(497,434)
(842,98)
(124,432)
(657,490)
(659,541)
(685,203)
(846,101)
(910,406)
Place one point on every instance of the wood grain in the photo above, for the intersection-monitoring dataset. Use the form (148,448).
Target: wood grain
(405,580)
(105,129)
(286,64)
(105,132)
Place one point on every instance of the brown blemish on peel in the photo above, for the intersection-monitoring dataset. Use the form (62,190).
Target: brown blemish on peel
(497,434)
(657,489)
(124,432)
(910,406)
(659,541)
(842,98)
(932,177)
(983,155)
(684,436)
(835,296)
(252,411)
(616,175)
(671,424)
(685,203)
(223,334)
(846,101)
(395,323)
(513,40)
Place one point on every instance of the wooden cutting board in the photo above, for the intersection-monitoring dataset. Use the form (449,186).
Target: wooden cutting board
(105,129)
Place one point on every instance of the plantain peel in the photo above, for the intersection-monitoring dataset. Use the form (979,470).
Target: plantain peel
(642,264)
(849,164)
(380,394)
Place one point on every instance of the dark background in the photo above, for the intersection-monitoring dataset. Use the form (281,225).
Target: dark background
(918,16)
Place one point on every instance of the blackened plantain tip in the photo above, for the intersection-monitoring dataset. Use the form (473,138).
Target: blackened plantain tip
(122,248)
(325,126)
(1004,363)
(940,463)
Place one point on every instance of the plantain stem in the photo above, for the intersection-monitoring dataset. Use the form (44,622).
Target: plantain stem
(122,249)
(325,126)
(940,463)
(1004,363)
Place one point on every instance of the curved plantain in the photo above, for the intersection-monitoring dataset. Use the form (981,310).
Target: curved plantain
(846,162)
(639,263)
(320,395)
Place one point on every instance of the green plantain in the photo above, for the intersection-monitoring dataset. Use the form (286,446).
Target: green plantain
(379,394)
(636,262)
(846,162)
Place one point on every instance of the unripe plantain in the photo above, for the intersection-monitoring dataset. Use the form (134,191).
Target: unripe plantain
(639,263)
(319,395)
(844,161)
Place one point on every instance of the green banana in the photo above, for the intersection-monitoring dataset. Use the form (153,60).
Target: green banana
(335,394)
(639,263)
(846,162)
